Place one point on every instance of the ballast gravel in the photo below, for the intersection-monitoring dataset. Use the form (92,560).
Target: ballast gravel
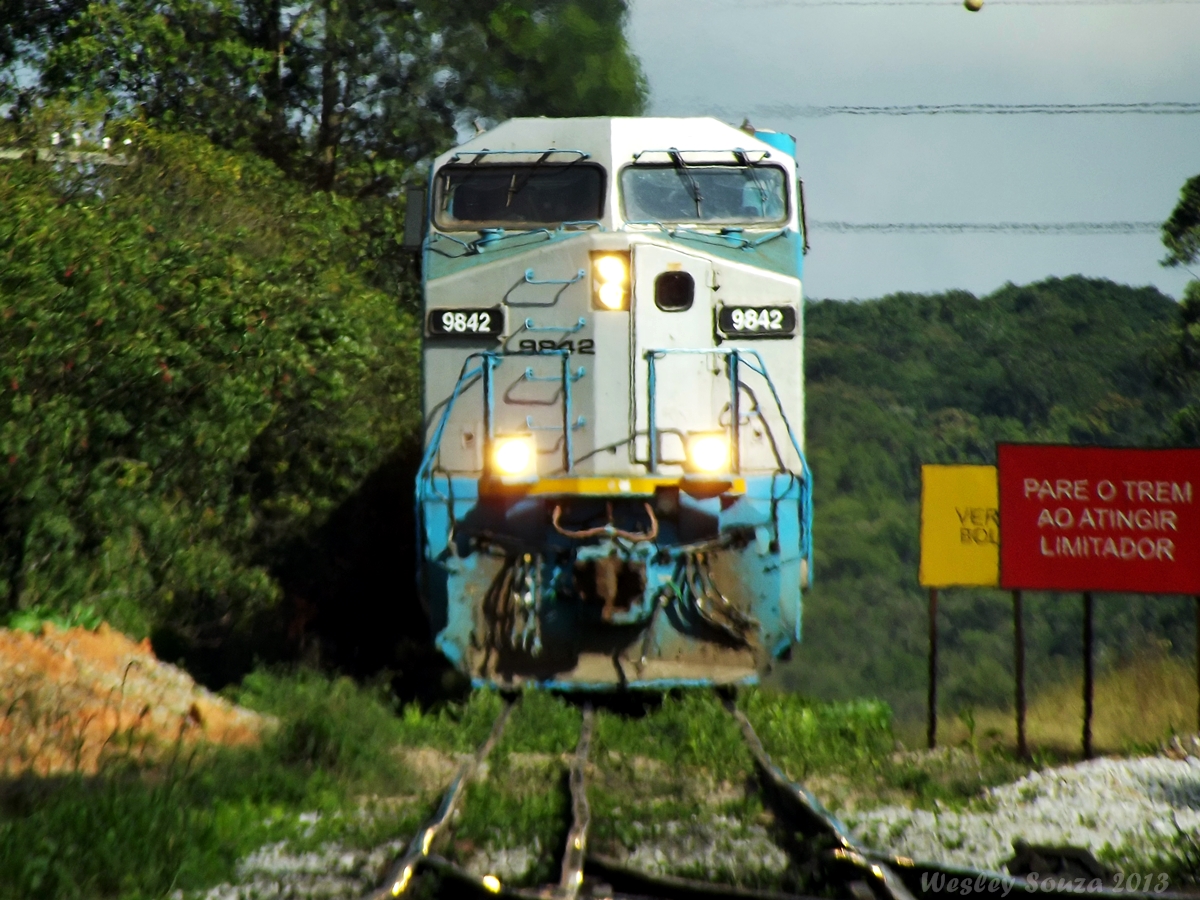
(713,850)
(330,872)
(1129,808)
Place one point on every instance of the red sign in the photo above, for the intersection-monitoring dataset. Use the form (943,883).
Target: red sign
(1099,519)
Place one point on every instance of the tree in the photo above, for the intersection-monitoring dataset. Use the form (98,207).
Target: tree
(1181,236)
(1181,232)
(344,93)
(193,370)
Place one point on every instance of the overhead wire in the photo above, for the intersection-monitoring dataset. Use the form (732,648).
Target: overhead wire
(954,4)
(815,111)
(1080,228)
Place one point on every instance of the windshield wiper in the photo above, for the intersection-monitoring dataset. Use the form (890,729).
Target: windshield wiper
(515,187)
(741,157)
(682,168)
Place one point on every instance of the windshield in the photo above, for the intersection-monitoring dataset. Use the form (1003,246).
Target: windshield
(531,194)
(718,194)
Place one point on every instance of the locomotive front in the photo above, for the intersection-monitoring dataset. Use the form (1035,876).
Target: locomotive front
(613,489)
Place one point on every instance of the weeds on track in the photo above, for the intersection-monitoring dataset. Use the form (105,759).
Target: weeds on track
(522,800)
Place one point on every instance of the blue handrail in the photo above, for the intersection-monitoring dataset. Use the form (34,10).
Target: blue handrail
(736,357)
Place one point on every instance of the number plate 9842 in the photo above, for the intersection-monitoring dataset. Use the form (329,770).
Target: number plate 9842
(757,321)
(446,323)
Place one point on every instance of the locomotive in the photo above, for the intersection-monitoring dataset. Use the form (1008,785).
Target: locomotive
(613,490)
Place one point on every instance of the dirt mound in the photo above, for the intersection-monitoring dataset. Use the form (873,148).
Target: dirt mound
(71,698)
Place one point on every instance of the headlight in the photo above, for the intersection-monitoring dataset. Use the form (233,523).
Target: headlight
(610,280)
(516,455)
(708,452)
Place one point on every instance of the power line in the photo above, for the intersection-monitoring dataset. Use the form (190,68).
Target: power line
(813,111)
(1085,228)
(953,4)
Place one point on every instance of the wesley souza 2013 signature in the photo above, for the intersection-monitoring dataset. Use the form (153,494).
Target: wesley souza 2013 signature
(1120,883)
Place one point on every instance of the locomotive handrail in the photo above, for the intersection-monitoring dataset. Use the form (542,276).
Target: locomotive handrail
(736,356)
(560,329)
(529,376)
(480,154)
(488,360)
(530,279)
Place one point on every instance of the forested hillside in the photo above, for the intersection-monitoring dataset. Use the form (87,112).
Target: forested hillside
(912,379)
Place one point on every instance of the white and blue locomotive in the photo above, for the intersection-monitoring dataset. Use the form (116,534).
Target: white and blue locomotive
(613,489)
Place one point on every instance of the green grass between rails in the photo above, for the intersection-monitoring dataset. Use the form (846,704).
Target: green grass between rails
(522,801)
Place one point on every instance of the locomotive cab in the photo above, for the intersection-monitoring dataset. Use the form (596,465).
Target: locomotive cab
(613,489)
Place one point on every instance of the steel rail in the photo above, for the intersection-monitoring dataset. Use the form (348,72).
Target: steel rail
(581,816)
(672,887)
(900,877)
(794,803)
(400,875)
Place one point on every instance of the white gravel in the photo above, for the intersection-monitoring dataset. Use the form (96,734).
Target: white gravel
(506,863)
(331,872)
(706,848)
(1129,806)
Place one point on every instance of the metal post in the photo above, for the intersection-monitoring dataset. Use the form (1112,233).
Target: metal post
(735,414)
(568,449)
(1019,666)
(651,429)
(489,402)
(933,667)
(1088,685)
(1197,599)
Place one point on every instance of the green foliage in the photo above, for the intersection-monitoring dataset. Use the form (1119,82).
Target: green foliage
(803,736)
(185,823)
(689,729)
(452,727)
(523,800)
(32,620)
(193,371)
(1181,232)
(333,726)
(912,379)
(543,723)
(347,94)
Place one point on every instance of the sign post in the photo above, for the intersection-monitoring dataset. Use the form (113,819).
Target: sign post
(1019,671)
(931,728)
(960,541)
(1100,519)
(1088,675)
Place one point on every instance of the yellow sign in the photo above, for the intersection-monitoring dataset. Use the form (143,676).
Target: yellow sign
(960,526)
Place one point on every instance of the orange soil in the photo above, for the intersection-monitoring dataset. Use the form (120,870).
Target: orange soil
(70,699)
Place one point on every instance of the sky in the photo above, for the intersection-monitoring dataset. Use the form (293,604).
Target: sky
(773,60)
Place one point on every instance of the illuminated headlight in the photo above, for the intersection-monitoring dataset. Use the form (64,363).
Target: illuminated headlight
(708,452)
(515,455)
(610,280)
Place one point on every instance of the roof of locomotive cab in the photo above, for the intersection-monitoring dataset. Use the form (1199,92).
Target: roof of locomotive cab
(612,141)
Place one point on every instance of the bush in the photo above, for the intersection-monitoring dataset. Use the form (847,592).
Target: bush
(193,370)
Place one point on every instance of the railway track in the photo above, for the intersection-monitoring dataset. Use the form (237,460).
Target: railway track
(822,853)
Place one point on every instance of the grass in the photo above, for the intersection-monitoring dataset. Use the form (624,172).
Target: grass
(522,801)
(688,730)
(139,830)
(452,728)
(1138,704)
(679,778)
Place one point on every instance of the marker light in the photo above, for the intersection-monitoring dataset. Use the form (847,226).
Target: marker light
(516,455)
(708,452)
(492,883)
(610,280)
